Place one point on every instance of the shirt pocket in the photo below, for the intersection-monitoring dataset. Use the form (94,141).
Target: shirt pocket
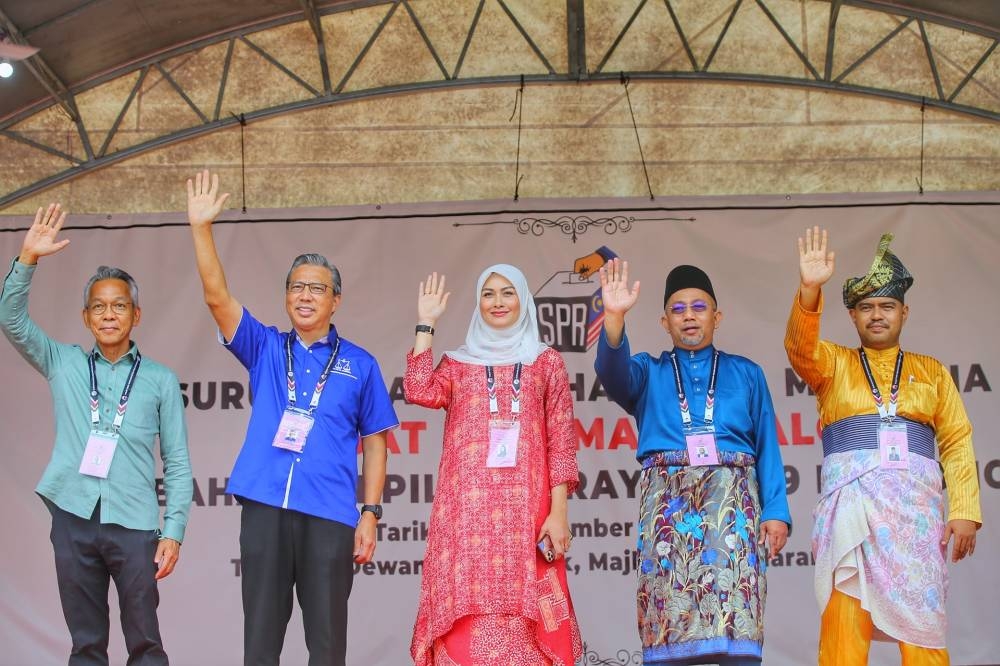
(732,408)
(918,401)
(142,418)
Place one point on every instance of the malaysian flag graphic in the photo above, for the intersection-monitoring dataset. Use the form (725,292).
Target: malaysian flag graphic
(595,319)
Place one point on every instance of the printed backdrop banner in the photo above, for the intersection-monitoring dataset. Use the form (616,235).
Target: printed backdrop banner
(748,248)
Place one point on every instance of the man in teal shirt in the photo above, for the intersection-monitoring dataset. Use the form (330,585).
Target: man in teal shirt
(110,405)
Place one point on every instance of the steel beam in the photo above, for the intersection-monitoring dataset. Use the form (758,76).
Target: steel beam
(621,35)
(680,33)
(576,39)
(576,70)
(468,38)
(423,36)
(309,8)
(722,36)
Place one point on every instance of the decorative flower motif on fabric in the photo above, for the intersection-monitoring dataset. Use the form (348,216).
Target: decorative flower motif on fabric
(691,524)
(741,525)
(673,506)
(900,556)
(698,573)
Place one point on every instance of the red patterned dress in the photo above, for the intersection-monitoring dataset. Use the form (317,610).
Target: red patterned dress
(487,596)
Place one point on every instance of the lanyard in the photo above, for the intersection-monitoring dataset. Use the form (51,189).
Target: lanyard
(709,399)
(95,416)
(290,373)
(491,387)
(890,413)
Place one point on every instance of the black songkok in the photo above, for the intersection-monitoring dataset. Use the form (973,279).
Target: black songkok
(887,278)
(687,277)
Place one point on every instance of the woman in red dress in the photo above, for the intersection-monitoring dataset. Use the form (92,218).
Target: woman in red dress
(494,583)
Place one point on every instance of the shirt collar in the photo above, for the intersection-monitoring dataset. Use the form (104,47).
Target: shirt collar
(130,354)
(882,354)
(696,355)
(325,340)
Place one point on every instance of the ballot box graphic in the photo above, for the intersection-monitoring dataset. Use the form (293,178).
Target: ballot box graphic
(570,311)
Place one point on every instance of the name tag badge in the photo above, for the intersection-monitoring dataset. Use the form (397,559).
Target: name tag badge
(893,446)
(701,447)
(503,443)
(293,430)
(98,454)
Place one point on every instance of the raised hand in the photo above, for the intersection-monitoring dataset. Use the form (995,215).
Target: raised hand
(815,263)
(40,241)
(432,300)
(615,294)
(204,204)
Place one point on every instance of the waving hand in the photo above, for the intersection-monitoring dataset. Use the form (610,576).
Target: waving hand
(40,241)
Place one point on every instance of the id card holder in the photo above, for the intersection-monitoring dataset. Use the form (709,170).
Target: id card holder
(293,429)
(893,445)
(503,443)
(98,454)
(701,446)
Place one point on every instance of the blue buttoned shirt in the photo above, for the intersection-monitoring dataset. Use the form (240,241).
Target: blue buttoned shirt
(744,418)
(321,480)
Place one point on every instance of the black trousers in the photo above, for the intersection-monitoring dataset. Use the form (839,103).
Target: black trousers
(281,550)
(88,555)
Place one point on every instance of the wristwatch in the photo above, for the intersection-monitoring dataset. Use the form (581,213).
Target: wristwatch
(374,508)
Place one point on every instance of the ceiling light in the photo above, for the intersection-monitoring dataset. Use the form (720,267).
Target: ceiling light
(6,70)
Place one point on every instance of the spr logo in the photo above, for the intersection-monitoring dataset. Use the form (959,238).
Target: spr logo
(570,311)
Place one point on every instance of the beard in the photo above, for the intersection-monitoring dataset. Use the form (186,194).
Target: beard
(692,340)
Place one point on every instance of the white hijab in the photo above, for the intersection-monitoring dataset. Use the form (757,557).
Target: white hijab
(520,343)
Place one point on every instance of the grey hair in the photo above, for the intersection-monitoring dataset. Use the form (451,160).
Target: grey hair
(313,259)
(111,273)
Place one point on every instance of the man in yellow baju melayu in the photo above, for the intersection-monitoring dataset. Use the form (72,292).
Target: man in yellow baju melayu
(880,536)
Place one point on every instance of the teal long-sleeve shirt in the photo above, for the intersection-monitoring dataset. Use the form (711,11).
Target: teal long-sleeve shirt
(155,409)
(744,420)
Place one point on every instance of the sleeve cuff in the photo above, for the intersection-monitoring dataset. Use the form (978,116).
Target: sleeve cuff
(222,338)
(418,357)
(21,272)
(776,514)
(977,518)
(607,345)
(171,530)
(808,313)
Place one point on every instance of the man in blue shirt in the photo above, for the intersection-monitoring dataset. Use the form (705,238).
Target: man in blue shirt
(713,504)
(110,404)
(315,394)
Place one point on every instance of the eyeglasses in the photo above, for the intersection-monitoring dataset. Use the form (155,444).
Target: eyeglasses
(119,308)
(316,288)
(680,308)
